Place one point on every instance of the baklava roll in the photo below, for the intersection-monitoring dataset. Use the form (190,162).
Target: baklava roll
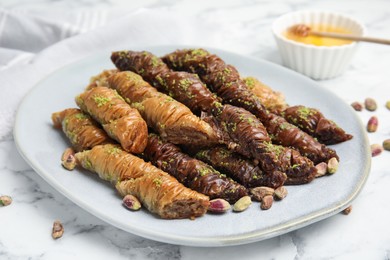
(272,100)
(182,86)
(240,168)
(122,122)
(310,120)
(316,124)
(159,192)
(82,131)
(192,172)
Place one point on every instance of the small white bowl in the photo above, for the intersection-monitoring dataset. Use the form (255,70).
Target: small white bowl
(317,62)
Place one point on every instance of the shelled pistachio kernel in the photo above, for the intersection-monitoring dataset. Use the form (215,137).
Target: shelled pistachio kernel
(260,192)
(333,165)
(370,104)
(281,192)
(58,229)
(322,169)
(386,144)
(131,202)
(5,200)
(218,206)
(68,159)
(357,106)
(372,124)
(376,149)
(242,204)
(388,104)
(266,202)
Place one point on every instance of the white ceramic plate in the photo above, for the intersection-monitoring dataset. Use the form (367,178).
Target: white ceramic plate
(41,146)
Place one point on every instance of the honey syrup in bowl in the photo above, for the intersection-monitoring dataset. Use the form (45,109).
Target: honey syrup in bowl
(317,40)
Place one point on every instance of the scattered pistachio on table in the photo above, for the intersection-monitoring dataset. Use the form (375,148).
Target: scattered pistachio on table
(5,200)
(388,104)
(358,106)
(370,104)
(218,206)
(376,149)
(242,204)
(386,144)
(372,124)
(347,210)
(58,229)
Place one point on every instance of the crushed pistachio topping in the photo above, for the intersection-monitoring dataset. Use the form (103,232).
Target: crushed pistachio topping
(251,121)
(294,166)
(221,77)
(284,126)
(123,54)
(247,119)
(138,105)
(250,82)
(277,149)
(305,112)
(231,125)
(248,103)
(167,100)
(204,171)
(113,150)
(81,116)
(72,136)
(156,61)
(223,175)
(87,164)
(133,76)
(157,182)
(185,84)
(229,84)
(227,71)
(160,81)
(65,123)
(201,154)
(101,100)
(218,105)
(224,153)
(199,52)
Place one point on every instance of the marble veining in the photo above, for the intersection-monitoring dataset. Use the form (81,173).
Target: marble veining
(243,27)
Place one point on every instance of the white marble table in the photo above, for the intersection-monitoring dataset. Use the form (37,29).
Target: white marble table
(25,231)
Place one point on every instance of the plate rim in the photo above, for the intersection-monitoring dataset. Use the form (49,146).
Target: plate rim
(215,241)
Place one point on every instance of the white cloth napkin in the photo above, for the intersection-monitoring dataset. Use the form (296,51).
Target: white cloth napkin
(33,47)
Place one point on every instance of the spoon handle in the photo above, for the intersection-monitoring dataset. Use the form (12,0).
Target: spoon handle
(350,37)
